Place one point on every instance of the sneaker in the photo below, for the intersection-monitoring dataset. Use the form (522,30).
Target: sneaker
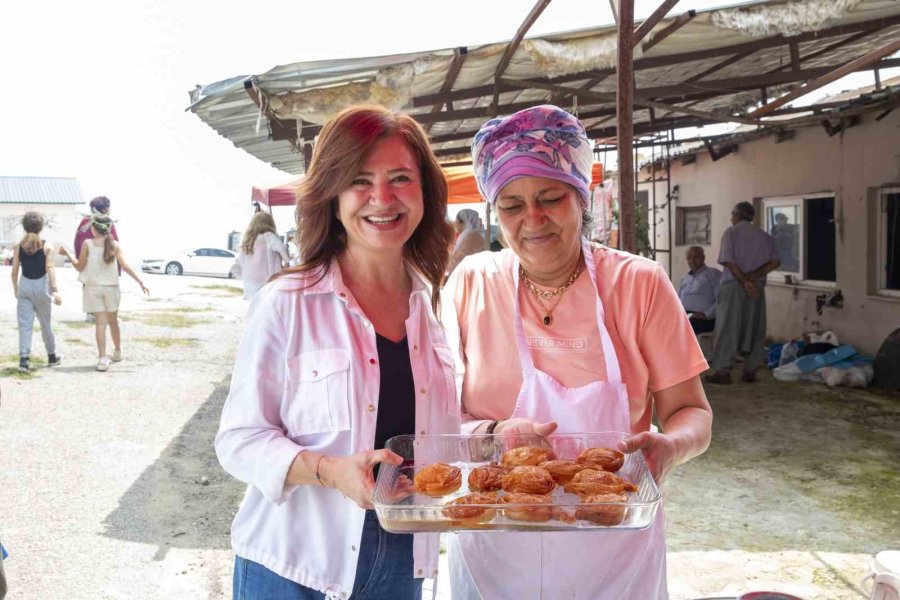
(117,356)
(53,360)
(24,364)
(721,378)
(103,364)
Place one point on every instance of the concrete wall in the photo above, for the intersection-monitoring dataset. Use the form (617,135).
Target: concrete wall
(850,165)
(61,221)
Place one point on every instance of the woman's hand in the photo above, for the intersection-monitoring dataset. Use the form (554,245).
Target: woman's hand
(522,426)
(57,300)
(144,288)
(352,475)
(659,451)
(62,250)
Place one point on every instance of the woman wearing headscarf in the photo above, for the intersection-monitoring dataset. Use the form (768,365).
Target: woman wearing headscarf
(600,343)
(470,239)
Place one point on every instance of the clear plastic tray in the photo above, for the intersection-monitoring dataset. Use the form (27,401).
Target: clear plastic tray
(402,511)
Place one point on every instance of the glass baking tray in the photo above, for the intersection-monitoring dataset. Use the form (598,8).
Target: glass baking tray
(401,509)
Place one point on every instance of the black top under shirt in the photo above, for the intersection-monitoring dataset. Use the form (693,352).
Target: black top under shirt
(397,394)
(34,266)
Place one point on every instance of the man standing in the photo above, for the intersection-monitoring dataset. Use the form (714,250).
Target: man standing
(699,291)
(748,255)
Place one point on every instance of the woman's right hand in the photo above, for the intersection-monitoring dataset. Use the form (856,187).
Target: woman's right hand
(352,475)
(522,426)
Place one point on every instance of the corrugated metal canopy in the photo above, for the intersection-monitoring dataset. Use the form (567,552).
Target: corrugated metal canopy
(705,66)
(40,190)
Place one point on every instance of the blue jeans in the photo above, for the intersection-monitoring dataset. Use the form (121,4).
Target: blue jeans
(384,572)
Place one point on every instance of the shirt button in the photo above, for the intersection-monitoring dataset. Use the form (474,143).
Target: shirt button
(416,347)
(370,408)
(422,432)
(353,548)
(367,324)
(421,390)
(419,572)
(315,373)
(371,361)
(342,294)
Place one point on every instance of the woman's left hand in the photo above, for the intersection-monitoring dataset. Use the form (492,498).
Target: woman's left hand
(659,451)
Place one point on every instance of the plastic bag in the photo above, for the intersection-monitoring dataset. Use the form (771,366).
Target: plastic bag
(857,376)
(826,337)
(789,352)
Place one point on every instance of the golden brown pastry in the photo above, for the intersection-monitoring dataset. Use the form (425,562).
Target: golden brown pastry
(602,514)
(592,481)
(526,455)
(562,471)
(529,480)
(532,514)
(487,478)
(605,459)
(438,479)
(473,515)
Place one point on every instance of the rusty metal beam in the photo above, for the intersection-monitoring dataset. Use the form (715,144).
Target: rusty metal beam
(795,56)
(848,40)
(625,124)
(698,113)
(672,59)
(514,44)
(679,22)
(456,63)
(647,26)
(860,63)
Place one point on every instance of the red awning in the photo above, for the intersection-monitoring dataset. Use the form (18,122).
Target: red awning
(281,195)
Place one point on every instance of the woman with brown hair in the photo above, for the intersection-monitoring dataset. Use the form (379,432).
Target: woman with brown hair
(262,255)
(341,353)
(36,291)
(99,259)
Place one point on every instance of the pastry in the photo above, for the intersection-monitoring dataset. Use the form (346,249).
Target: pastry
(438,479)
(473,515)
(603,513)
(605,459)
(487,478)
(592,481)
(562,470)
(526,455)
(532,514)
(528,480)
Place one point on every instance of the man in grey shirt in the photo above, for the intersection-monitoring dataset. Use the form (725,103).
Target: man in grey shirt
(748,255)
(699,291)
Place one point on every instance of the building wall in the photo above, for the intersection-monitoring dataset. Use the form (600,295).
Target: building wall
(849,164)
(61,221)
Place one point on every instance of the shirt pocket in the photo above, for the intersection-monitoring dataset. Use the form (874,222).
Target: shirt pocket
(319,399)
(445,379)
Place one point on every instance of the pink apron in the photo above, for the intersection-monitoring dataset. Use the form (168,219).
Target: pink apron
(606,565)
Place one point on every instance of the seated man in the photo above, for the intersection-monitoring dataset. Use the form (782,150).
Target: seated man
(699,291)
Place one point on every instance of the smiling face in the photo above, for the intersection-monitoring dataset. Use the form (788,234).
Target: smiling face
(541,221)
(383,206)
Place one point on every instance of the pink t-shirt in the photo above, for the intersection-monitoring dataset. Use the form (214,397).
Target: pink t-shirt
(649,328)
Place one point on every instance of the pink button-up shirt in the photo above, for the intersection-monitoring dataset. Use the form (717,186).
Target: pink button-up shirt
(305,379)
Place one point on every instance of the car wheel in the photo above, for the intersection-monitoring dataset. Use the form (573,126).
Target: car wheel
(173,268)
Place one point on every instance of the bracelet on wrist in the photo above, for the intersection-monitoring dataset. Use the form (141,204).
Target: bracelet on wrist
(318,475)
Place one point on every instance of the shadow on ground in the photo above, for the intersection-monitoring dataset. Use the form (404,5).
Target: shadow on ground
(792,466)
(185,499)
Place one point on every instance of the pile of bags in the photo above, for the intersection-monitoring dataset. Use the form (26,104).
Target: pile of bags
(821,359)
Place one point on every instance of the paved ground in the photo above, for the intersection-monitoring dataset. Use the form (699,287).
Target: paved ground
(110,488)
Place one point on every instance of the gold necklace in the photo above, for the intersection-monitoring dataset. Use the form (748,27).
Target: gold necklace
(542,295)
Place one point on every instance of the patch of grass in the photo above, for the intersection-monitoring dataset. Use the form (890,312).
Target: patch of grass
(165,342)
(14,372)
(154,299)
(77,342)
(77,324)
(226,288)
(186,309)
(35,359)
(171,320)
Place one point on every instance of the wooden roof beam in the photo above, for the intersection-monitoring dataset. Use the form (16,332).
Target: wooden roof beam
(698,113)
(848,40)
(513,45)
(862,62)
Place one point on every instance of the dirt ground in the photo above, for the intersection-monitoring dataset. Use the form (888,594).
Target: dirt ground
(110,488)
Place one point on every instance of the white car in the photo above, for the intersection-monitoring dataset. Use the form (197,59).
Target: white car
(200,261)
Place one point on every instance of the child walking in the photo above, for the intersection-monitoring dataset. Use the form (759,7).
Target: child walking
(97,263)
(35,291)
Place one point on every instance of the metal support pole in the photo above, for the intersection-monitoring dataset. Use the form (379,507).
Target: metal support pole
(625,123)
(487,225)
(670,135)
(653,195)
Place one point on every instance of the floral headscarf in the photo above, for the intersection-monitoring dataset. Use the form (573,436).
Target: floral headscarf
(544,141)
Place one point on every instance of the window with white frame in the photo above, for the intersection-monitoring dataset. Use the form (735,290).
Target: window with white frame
(692,225)
(8,230)
(888,222)
(804,233)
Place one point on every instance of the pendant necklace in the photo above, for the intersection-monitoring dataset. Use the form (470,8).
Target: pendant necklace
(555,295)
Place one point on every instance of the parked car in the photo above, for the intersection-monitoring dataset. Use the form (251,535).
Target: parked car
(200,261)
